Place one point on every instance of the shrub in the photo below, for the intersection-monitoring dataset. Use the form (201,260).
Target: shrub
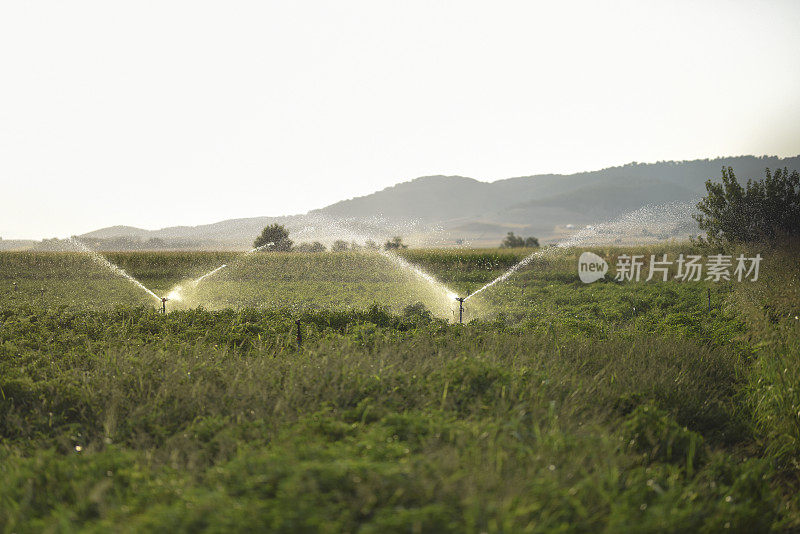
(339,246)
(316,246)
(275,234)
(763,210)
(515,241)
(395,243)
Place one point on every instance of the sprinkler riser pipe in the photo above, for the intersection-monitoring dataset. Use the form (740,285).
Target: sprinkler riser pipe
(460,309)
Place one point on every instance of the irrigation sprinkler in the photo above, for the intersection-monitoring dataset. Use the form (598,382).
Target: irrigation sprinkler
(42,291)
(299,334)
(460,309)
(709,299)
(164,304)
(15,287)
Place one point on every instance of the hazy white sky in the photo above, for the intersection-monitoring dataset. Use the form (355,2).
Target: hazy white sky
(161,113)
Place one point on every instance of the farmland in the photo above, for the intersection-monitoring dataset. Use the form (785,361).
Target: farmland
(559,406)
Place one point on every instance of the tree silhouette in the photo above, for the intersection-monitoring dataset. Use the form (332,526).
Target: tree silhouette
(339,246)
(316,246)
(275,234)
(516,241)
(394,243)
(764,210)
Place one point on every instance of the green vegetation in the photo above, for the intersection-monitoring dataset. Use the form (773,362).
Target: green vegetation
(395,243)
(341,246)
(315,247)
(764,210)
(559,407)
(517,241)
(274,237)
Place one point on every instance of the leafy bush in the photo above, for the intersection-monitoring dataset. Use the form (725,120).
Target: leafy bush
(277,235)
(340,246)
(395,243)
(314,247)
(514,241)
(763,210)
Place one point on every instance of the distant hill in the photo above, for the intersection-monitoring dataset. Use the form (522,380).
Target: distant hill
(16,244)
(443,210)
(113,232)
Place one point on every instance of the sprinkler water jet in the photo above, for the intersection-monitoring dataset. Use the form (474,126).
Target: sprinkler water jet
(662,216)
(101,260)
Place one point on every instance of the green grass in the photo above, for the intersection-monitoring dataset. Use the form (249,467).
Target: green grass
(560,407)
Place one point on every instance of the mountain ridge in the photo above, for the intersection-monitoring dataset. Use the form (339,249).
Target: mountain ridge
(449,209)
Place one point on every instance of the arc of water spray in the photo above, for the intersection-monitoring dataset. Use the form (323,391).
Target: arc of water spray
(403,263)
(673,210)
(449,293)
(176,292)
(210,273)
(116,269)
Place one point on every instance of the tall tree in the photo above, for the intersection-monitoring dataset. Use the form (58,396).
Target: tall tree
(275,234)
(763,210)
(517,241)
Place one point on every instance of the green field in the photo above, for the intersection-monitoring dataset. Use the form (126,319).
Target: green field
(558,406)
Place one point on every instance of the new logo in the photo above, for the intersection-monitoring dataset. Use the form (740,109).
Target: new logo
(591,267)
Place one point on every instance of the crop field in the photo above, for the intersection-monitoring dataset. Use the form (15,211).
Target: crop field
(557,406)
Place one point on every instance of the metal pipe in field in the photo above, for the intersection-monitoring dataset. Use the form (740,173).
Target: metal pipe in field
(299,334)
(460,309)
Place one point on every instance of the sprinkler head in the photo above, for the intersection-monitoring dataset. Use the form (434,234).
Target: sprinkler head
(460,309)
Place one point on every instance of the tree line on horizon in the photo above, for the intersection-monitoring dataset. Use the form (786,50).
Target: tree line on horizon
(275,238)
